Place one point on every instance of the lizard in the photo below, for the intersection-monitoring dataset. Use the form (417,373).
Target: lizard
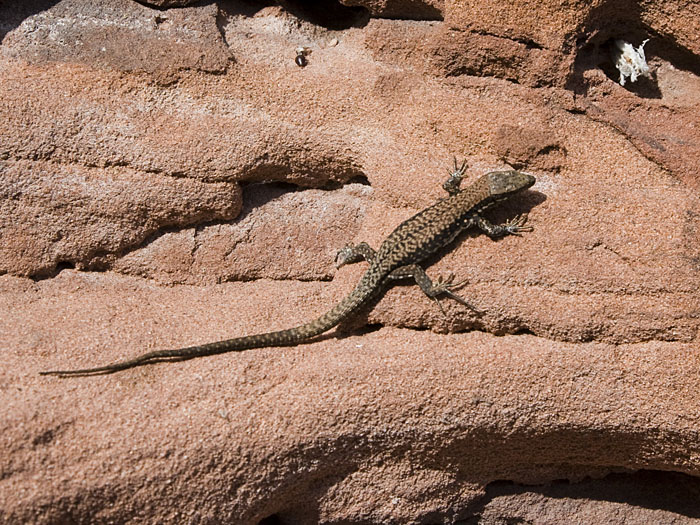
(410,243)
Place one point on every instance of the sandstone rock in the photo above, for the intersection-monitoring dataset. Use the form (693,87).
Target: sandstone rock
(56,215)
(168,3)
(404,9)
(129,139)
(316,224)
(122,35)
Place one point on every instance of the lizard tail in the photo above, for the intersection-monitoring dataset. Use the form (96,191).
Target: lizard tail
(365,289)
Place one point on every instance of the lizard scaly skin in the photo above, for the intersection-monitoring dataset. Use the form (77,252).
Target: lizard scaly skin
(410,243)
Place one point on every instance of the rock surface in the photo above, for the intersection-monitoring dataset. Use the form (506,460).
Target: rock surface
(132,142)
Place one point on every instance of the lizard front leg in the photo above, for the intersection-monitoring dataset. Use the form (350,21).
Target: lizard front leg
(514,226)
(452,184)
(432,290)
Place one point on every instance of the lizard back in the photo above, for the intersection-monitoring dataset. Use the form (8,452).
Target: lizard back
(438,225)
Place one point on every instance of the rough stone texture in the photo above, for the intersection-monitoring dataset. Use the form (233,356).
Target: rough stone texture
(403,9)
(128,139)
(643,497)
(98,33)
(315,223)
(57,214)
(168,3)
(567,25)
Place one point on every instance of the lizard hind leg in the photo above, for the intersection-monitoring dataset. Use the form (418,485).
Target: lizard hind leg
(432,290)
(351,254)
(514,226)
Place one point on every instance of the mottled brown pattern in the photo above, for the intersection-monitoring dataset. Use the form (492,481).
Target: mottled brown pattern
(411,242)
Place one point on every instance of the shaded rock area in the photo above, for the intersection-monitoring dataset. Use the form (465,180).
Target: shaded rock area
(169,175)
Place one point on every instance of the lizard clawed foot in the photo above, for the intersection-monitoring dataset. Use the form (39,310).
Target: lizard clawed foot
(458,171)
(452,184)
(353,253)
(445,286)
(516,226)
(345,256)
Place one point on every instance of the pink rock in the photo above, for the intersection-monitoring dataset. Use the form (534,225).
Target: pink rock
(130,139)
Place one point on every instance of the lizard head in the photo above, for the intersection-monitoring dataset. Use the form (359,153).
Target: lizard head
(505,183)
